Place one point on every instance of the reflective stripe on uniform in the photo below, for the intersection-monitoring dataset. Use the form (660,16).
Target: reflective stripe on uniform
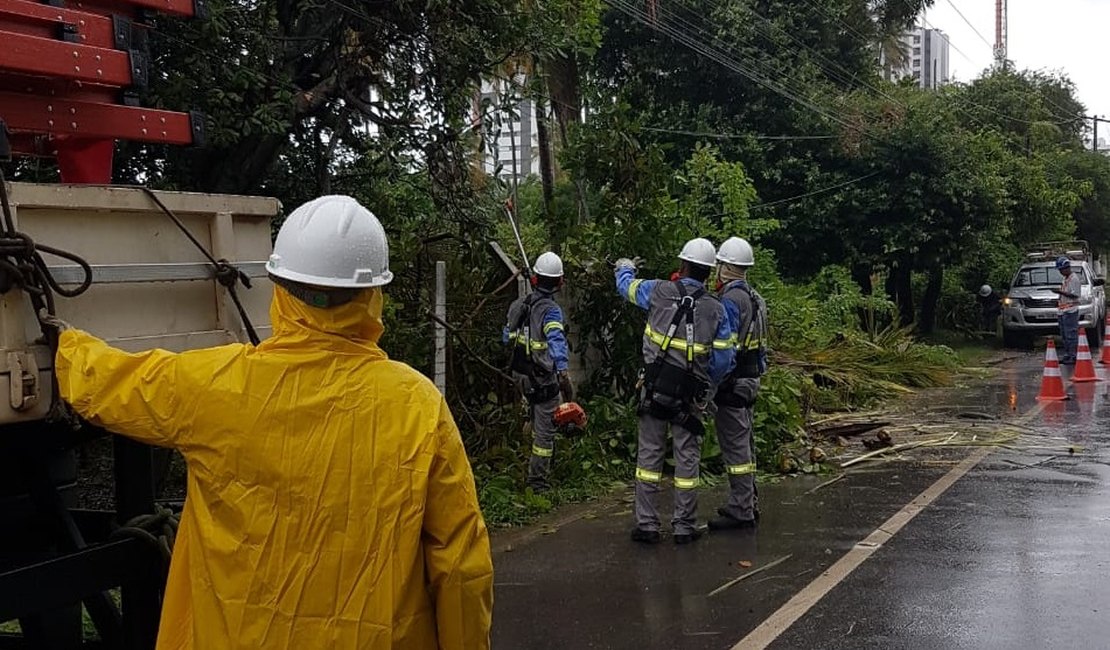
(746,468)
(676,343)
(520,340)
(541,452)
(749,343)
(686,483)
(680,344)
(648,476)
(553,325)
(632,288)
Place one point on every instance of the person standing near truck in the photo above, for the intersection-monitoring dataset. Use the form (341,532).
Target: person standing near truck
(1070,291)
(990,308)
(331,503)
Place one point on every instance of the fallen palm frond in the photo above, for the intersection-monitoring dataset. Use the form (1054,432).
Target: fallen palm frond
(900,432)
(1003,438)
(855,416)
(855,369)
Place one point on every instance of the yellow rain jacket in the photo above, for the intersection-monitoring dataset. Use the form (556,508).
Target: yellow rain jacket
(330,502)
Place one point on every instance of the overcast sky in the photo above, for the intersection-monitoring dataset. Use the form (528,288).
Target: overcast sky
(1067,35)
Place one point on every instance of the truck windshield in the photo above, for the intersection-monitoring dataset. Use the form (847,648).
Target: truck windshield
(1045,276)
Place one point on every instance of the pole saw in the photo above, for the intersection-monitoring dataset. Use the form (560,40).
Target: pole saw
(527,268)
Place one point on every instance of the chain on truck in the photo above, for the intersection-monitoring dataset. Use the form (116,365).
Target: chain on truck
(138,268)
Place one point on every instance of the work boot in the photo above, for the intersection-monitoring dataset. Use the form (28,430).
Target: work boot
(688,538)
(645,536)
(725,521)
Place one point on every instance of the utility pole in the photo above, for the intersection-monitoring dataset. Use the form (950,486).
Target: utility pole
(1095,119)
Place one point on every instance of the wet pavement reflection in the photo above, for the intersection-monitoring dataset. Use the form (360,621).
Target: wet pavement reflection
(1012,556)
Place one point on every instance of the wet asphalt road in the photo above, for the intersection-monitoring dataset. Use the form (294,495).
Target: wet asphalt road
(1016,554)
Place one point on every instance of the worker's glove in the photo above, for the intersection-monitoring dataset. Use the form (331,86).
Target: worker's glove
(625,263)
(53,322)
(566,387)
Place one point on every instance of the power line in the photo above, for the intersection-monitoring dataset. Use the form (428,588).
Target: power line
(823,190)
(738,136)
(964,102)
(728,49)
(844,76)
(729,62)
(722,59)
(977,33)
(950,44)
(925,23)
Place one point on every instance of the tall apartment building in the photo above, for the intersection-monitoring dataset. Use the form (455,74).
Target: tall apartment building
(926,59)
(508,129)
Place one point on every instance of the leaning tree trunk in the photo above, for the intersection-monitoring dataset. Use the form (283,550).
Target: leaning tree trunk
(861,275)
(927,322)
(899,286)
(564,88)
(547,168)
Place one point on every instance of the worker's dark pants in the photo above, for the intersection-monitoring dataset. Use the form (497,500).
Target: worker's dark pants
(989,322)
(1069,332)
(543,442)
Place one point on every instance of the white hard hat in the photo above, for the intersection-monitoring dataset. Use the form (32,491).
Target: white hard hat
(548,265)
(736,251)
(699,251)
(985,290)
(332,241)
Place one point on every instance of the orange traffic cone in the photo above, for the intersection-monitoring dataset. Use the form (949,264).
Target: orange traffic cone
(1052,384)
(1106,341)
(1084,365)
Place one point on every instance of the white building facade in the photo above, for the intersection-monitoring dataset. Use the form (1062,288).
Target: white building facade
(926,59)
(516,127)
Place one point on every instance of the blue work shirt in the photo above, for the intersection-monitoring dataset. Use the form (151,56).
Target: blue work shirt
(555,334)
(735,318)
(721,361)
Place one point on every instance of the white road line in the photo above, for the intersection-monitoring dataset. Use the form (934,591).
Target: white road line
(804,600)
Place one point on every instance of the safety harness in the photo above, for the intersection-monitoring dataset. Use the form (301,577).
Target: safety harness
(523,361)
(749,351)
(670,391)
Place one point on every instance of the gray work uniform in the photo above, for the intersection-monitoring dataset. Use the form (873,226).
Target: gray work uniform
(736,397)
(536,379)
(708,316)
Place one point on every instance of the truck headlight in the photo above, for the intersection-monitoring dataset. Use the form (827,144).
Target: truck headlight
(1006,302)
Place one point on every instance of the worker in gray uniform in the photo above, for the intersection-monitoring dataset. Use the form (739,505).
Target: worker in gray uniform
(540,359)
(687,351)
(736,396)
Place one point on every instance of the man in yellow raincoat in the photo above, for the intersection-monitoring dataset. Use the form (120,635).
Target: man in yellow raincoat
(330,501)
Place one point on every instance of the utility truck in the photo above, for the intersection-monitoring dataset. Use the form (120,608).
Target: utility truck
(138,268)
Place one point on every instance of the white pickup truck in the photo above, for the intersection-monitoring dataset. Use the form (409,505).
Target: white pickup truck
(1030,309)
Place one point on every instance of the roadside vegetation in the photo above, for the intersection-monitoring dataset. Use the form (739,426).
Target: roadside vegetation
(877,208)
